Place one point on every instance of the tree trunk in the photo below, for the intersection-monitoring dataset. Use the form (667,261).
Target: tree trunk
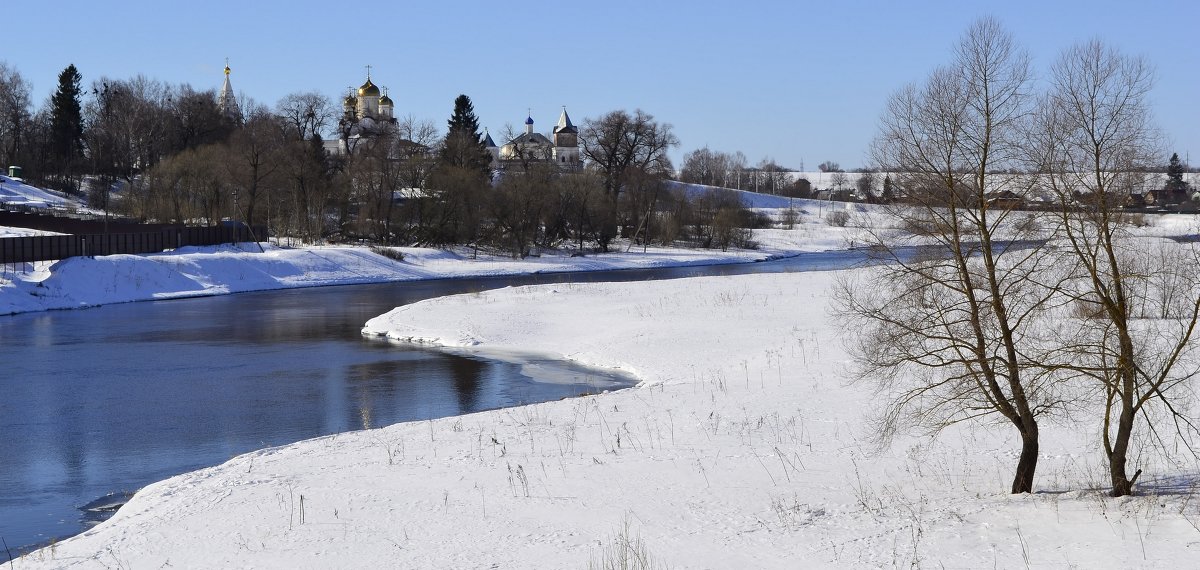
(1027,464)
(1121,484)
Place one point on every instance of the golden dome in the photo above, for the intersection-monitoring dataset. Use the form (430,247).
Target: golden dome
(385,100)
(368,89)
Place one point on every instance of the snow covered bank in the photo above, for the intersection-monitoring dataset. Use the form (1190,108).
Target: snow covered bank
(16,192)
(743,448)
(194,271)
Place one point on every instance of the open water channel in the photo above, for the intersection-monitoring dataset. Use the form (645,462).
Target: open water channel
(110,399)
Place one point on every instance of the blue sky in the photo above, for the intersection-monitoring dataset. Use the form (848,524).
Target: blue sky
(800,82)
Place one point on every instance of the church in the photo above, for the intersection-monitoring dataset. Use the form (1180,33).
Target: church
(365,113)
(368,112)
(562,148)
(227,103)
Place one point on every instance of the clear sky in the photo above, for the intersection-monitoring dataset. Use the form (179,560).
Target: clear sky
(800,82)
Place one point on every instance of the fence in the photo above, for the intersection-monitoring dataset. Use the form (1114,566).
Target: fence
(47,248)
(65,223)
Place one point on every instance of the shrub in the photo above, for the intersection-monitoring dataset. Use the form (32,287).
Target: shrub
(388,252)
(838,218)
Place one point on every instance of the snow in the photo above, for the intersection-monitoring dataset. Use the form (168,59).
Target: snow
(742,447)
(197,271)
(14,191)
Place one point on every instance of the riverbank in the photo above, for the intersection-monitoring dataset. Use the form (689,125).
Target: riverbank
(200,271)
(743,447)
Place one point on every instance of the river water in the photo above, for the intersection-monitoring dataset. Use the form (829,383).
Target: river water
(110,399)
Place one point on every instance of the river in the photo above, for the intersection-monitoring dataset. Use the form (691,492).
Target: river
(110,399)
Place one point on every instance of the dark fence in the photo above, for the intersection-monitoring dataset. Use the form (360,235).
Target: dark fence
(46,248)
(64,223)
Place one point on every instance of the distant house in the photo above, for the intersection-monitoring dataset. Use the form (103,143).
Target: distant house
(1005,200)
(1164,197)
(835,195)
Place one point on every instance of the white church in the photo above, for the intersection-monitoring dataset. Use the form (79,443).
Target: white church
(562,147)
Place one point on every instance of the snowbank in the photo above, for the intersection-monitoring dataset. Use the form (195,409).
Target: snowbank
(198,271)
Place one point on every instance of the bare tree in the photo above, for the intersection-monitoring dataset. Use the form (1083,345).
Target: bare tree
(839,180)
(736,171)
(14,113)
(1135,338)
(772,177)
(195,119)
(618,142)
(126,128)
(253,160)
(306,114)
(416,142)
(627,150)
(829,166)
(704,166)
(866,186)
(944,328)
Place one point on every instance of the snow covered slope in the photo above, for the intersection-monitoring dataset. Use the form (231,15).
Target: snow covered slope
(15,192)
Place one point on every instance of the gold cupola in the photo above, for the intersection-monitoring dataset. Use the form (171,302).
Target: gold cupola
(368,89)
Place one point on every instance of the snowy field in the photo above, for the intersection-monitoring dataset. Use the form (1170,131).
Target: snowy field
(743,446)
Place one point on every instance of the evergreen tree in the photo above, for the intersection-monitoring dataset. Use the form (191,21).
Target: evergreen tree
(463,147)
(889,193)
(1175,184)
(66,121)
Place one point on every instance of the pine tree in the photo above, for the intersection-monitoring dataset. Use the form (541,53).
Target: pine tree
(1176,188)
(889,193)
(66,121)
(463,146)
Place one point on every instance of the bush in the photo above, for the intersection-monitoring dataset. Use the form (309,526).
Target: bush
(790,217)
(838,218)
(388,252)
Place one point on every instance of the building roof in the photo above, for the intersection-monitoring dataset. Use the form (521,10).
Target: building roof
(487,139)
(564,123)
(226,101)
(368,89)
(532,139)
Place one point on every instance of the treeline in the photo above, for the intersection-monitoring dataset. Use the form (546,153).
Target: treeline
(454,197)
(168,153)
(732,170)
